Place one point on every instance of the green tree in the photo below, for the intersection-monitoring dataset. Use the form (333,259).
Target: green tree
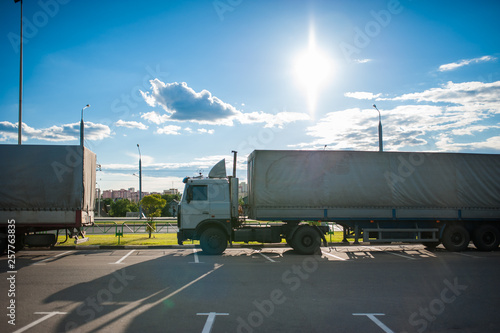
(120,207)
(152,206)
(169,198)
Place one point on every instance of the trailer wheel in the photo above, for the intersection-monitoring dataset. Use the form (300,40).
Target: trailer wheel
(456,238)
(213,241)
(486,238)
(306,240)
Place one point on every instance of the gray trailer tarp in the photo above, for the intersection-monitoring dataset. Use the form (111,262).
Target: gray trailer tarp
(351,183)
(46,183)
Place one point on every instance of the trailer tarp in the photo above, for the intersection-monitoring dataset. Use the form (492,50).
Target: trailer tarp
(350,179)
(43,177)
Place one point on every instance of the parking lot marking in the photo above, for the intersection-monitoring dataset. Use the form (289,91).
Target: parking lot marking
(375,320)
(262,254)
(38,321)
(334,256)
(210,320)
(43,262)
(466,255)
(196,259)
(395,254)
(123,258)
(135,308)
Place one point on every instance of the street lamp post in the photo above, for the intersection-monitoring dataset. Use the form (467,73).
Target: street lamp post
(19,127)
(140,182)
(81,125)
(380,142)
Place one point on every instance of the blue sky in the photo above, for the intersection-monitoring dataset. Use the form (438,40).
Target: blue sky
(190,81)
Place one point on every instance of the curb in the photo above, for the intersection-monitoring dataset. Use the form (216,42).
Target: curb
(163,247)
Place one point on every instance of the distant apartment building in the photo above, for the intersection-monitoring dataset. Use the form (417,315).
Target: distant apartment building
(171,191)
(242,190)
(130,194)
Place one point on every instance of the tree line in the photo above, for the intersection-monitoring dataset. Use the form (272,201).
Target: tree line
(120,207)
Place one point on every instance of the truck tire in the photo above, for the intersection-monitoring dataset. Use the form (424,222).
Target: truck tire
(456,238)
(213,241)
(306,240)
(486,237)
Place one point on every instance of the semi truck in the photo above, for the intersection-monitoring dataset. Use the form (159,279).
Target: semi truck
(411,197)
(45,188)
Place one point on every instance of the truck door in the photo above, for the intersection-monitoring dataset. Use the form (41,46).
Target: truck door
(195,207)
(218,194)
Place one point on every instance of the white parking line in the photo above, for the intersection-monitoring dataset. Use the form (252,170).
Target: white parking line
(126,314)
(42,262)
(395,254)
(210,320)
(334,256)
(262,254)
(196,259)
(466,255)
(38,321)
(123,258)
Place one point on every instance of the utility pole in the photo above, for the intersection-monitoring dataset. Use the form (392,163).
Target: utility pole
(234,162)
(140,182)
(20,124)
(380,142)
(81,125)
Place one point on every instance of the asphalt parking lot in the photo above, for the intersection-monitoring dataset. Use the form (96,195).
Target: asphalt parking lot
(343,289)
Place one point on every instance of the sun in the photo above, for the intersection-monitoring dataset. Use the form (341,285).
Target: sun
(312,69)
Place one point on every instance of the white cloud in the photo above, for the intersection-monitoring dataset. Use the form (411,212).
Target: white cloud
(447,113)
(405,127)
(155,117)
(468,96)
(182,104)
(271,120)
(446,143)
(362,61)
(205,131)
(362,95)
(465,62)
(66,132)
(131,124)
(169,130)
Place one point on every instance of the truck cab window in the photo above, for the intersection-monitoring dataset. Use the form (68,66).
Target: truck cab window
(197,193)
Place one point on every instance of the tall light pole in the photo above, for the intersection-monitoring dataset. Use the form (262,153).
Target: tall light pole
(81,125)
(140,182)
(380,142)
(19,127)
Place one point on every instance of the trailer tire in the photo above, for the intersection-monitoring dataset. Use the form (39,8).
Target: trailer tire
(456,238)
(306,240)
(486,237)
(213,241)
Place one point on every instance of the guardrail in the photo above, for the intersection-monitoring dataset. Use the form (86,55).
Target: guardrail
(129,227)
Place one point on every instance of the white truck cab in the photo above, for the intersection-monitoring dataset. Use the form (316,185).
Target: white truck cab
(209,209)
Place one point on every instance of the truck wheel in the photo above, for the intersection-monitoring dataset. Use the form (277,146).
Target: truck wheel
(306,240)
(213,241)
(486,238)
(456,238)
